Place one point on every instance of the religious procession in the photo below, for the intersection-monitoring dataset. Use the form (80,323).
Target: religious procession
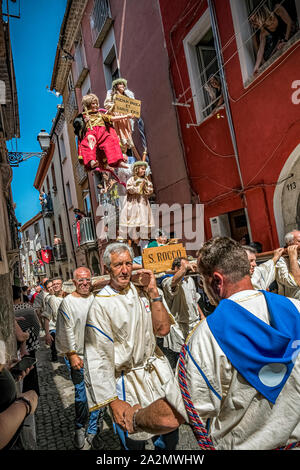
(157,286)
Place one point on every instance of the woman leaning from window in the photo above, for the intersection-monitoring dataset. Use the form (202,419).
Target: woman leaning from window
(275,27)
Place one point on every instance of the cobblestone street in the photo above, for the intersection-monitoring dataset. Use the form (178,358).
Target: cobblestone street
(55,412)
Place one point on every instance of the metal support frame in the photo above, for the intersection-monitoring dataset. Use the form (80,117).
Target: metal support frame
(15,158)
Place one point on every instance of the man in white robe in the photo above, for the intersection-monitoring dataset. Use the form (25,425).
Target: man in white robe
(40,300)
(123,365)
(52,302)
(258,413)
(70,327)
(262,275)
(288,268)
(182,299)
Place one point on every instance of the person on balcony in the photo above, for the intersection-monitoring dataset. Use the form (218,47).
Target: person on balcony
(56,240)
(99,146)
(276,28)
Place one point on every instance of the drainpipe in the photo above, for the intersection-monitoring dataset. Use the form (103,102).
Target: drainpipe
(61,109)
(217,41)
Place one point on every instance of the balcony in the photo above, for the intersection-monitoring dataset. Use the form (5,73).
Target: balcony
(84,235)
(100,21)
(47,206)
(60,251)
(81,174)
(71,107)
(39,270)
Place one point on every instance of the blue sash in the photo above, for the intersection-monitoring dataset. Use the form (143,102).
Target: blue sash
(263,354)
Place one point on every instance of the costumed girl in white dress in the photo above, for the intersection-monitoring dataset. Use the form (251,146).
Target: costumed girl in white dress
(136,212)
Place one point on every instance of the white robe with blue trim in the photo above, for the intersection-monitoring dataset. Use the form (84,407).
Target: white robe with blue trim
(70,324)
(241,418)
(121,356)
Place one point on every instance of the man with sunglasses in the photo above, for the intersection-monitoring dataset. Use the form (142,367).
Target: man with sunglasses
(70,327)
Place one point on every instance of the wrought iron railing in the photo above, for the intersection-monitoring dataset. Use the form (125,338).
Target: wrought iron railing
(100,21)
(59,251)
(84,232)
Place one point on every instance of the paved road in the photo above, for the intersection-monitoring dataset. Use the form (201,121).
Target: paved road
(55,412)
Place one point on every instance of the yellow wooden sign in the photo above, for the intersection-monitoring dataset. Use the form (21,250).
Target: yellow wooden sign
(160,258)
(126,105)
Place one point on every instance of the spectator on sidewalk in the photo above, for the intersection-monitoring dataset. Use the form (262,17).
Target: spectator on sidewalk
(28,321)
(50,315)
(70,327)
(14,408)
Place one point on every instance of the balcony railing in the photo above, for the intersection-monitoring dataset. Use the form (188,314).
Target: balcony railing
(100,21)
(60,251)
(47,207)
(81,174)
(39,270)
(71,106)
(84,233)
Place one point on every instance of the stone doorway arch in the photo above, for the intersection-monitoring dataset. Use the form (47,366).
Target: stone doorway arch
(286,201)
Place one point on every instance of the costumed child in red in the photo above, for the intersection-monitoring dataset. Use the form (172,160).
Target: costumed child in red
(99,144)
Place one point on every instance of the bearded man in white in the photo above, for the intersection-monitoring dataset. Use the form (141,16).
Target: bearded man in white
(123,364)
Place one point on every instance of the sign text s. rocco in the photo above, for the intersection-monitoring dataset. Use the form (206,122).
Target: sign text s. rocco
(160,258)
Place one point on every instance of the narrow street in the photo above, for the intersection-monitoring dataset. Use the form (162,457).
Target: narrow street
(55,411)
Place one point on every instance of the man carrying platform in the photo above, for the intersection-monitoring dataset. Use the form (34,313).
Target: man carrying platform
(240,368)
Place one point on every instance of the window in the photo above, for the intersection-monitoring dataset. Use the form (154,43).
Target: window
(49,237)
(100,21)
(253,20)
(61,231)
(110,59)
(48,184)
(69,196)
(202,66)
(62,148)
(80,62)
(54,187)
(111,69)
(87,206)
(36,228)
(208,71)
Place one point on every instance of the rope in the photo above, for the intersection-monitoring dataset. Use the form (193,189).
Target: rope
(198,428)
(289,446)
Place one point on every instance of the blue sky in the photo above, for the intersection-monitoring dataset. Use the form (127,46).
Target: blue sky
(34,39)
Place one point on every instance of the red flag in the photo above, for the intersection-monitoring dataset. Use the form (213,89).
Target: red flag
(47,256)
(78,232)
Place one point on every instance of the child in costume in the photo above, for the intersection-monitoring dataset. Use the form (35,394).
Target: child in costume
(123,127)
(99,145)
(136,211)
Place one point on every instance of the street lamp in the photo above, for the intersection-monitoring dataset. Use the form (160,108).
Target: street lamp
(15,158)
(44,140)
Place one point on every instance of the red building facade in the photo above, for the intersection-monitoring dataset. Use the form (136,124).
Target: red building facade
(243,156)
